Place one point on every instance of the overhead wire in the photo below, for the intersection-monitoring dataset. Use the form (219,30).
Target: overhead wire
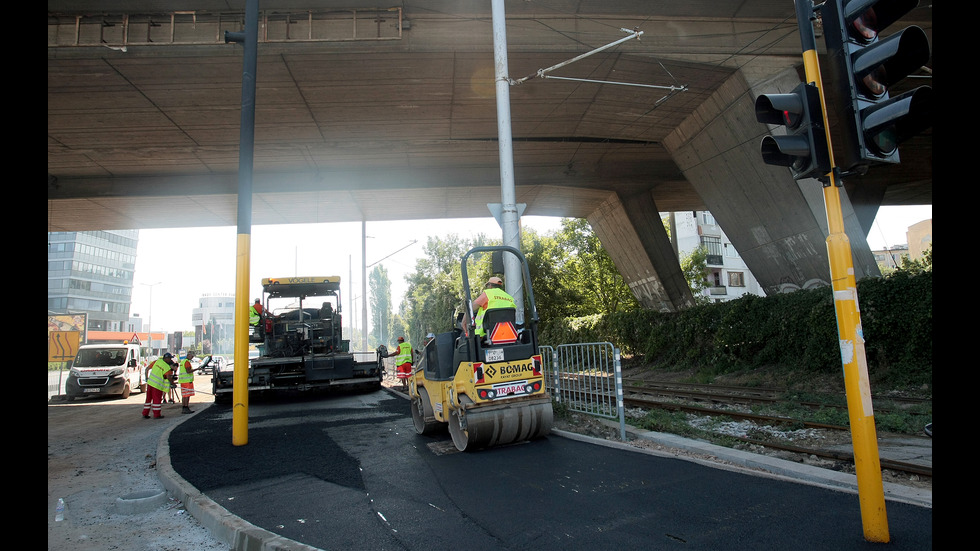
(758,50)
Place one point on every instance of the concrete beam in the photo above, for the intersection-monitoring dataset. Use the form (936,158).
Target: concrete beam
(778,225)
(633,235)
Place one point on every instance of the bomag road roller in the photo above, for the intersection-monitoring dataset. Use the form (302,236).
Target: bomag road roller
(487,386)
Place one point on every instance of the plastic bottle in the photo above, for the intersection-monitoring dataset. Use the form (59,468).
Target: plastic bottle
(59,512)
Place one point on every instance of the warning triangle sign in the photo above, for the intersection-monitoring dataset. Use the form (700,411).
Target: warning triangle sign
(135,339)
(503,333)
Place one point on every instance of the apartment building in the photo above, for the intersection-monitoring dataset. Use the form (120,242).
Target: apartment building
(728,276)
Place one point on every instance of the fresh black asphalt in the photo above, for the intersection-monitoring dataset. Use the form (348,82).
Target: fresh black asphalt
(347,471)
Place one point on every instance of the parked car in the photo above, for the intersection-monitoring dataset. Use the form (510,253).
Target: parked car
(210,362)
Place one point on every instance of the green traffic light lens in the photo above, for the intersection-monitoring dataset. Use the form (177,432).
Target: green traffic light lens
(886,142)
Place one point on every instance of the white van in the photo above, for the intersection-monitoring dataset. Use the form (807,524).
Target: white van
(106,370)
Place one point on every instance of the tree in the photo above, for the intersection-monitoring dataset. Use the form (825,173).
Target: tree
(695,269)
(914,267)
(571,275)
(546,262)
(435,289)
(381,307)
(590,278)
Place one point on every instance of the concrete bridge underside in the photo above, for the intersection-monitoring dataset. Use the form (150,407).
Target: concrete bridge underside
(357,110)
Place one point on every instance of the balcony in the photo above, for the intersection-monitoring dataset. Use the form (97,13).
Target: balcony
(722,290)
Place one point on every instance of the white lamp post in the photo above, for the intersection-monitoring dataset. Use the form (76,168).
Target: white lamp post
(149,318)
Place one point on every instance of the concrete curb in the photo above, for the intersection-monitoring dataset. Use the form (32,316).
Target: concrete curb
(240,534)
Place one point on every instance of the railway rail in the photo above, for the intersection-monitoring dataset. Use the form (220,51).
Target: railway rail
(741,394)
(698,399)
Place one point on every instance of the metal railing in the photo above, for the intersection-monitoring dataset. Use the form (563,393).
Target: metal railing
(586,378)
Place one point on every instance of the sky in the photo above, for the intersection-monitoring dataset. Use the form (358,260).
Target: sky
(175,267)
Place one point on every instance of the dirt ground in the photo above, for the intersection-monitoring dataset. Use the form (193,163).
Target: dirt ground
(118,462)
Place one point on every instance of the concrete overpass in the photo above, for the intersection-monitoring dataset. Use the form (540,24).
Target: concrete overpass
(362,105)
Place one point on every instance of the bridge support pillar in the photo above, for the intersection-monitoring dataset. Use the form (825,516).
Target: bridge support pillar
(777,225)
(632,233)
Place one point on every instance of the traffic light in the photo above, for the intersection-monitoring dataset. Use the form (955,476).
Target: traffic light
(863,67)
(804,147)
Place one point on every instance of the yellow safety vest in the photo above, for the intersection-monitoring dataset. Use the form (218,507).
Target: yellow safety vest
(404,354)
(253,315)
(183,376)
(496,298)
(157,372)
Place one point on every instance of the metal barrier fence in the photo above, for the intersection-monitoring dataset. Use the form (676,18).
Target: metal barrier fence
(586,378)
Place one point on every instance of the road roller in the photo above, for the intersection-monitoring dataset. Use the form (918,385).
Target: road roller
(485,384)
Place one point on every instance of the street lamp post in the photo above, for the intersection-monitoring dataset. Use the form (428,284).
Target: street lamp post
(149,317)
(364,267)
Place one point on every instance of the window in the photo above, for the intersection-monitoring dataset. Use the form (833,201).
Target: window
(736,279)
(730,251)
(713,247)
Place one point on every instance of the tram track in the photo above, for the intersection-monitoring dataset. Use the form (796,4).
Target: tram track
(746,395)
(702,400)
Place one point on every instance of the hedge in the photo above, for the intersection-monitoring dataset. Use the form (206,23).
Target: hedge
(795,331)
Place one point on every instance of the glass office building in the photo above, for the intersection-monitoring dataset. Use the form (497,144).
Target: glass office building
(92,272)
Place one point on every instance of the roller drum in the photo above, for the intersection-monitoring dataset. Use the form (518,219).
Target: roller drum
(487,426)
(422,415)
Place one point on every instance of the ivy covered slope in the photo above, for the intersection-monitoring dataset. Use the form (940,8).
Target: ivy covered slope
(795,332)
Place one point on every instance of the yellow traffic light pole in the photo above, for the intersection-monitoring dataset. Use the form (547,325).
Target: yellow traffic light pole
(239,393)
(867,462)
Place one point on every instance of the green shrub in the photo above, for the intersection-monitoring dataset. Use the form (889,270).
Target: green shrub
(795,331)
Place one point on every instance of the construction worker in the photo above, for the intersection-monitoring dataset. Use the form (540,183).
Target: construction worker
(157,385)
(185,378)
(255,316)
(493,296)
(403,361)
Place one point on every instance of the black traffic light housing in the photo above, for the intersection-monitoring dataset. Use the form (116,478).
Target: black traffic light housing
(863,67)
(804,147)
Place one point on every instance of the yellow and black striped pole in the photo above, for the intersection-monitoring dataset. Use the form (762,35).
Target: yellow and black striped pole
(239,420)
(867,462)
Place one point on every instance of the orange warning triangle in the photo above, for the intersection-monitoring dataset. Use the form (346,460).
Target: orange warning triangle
(503,333)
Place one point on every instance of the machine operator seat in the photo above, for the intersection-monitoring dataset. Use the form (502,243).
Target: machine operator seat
(494,316)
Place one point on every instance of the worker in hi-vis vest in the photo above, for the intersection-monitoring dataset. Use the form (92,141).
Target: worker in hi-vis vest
(185,378)
(157,385)
(403,361)
(493,296)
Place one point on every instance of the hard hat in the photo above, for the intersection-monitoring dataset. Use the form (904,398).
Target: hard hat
(430,336)
(401,339)
(495,280)
(257,300)
(168,356)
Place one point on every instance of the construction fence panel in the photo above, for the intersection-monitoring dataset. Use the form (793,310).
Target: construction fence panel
(586,378)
